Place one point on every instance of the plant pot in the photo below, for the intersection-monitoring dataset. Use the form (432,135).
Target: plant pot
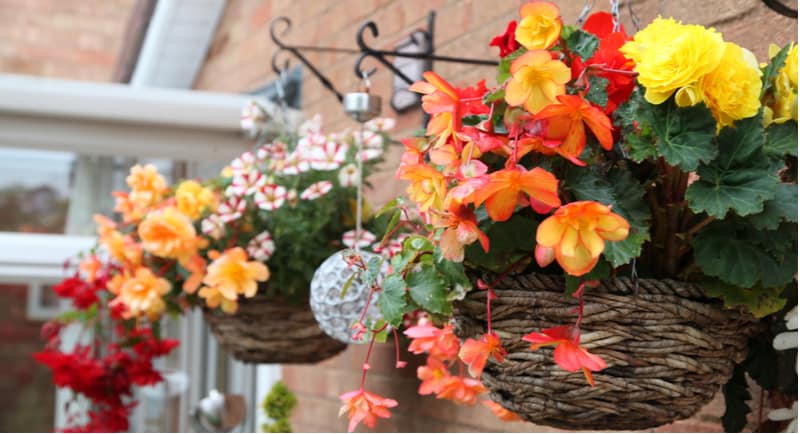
(668,350)
(269,330)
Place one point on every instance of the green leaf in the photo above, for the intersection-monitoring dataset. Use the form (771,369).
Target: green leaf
(772,68)
(640,146)
(736,395)
(393,222)
(758,300)
(373,270)
(392,299)
(598,91)
(742,190)
(781,140)
(392,204)
(781,208)
(622,252)
(684,136)
(740,255)
(496,95)
(739,143)
(427,289)
(582,43)
(348,284)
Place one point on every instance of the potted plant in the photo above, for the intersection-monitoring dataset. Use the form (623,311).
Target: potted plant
(631,201)
(242,246)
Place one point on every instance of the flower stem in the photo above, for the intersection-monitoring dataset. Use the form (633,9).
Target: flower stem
(364,366)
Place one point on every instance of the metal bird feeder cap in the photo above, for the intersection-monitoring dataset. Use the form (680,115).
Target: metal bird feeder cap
(361,106)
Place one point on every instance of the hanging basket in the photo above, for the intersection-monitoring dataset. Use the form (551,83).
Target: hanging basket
(668,350)
(268,330)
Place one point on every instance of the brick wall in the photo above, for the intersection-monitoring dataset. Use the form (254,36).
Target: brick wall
(239,60)
(75,39)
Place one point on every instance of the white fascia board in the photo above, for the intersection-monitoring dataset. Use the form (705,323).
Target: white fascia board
(38,257)
(113,119)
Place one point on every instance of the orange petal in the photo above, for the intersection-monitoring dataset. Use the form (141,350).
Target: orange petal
(550,232)
(539,8)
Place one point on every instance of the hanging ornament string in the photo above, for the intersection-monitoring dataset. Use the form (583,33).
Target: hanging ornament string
(360,163)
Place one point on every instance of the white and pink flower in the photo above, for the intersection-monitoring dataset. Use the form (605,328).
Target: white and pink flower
(253,118)
(311,126)
(270,197)
(316,190)
(364,239)
(349,176)
(213,226)
(243,164)
(329,156)
(380,124)
(232,209)
(261,247)
(294,164)
(243,184)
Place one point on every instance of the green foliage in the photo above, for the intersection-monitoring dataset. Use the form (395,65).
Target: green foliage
(782,208)
(580,43)
(597,93)
(278,406)
(683,135)
(740,178)
(770,71)
(507,246)
(781,140)
(503,69)
(392,299)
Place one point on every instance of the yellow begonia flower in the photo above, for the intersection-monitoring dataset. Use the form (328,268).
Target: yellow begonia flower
(168,233)
(540,25)
(192,198)
(783,104)
(671,57)
(536,80)
(732,90)
(141,294)
(231,274)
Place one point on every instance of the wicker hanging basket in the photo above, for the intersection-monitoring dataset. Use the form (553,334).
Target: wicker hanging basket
(267,330)
(667,347)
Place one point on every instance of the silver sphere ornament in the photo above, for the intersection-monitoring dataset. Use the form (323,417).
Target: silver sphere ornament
(334,313)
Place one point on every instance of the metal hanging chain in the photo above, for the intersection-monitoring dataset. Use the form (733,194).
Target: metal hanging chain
(615,14)
(360,164)
(634,17)
(587,7)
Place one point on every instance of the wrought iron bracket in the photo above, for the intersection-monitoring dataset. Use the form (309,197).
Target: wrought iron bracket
(363,51)
(781,8)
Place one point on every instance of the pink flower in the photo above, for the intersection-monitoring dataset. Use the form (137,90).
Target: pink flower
(294,164)
(261,247)
(270,197)
(316,190)
(365,239)
(362,406)
(244,164)
(231,209)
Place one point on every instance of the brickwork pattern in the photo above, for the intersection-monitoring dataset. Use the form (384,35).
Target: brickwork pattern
(239,60)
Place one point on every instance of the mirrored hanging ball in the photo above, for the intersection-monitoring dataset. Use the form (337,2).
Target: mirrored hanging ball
(334,313)
(361,106)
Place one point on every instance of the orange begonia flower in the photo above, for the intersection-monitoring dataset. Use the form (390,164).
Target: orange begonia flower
(440,343)
(141,294)
(568,355)
(168,233)
(192,199)
(565,121)
(577,233)
(123,248)
(362,406)
(500,412)
(461,229)
(536,80)
(461,390)
(503,191)
(475,353)
(427,187)
(433,375)
(196,265)
(232,274)
(90,266)
(214,299)
(540,25)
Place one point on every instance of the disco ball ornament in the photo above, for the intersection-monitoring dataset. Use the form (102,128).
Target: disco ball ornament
(334,313)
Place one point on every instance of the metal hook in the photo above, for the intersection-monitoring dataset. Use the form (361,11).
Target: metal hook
(615,14)
(781,8)
(634,17)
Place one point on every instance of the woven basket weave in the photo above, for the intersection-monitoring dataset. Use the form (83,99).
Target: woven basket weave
(667,347)
(266,330)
